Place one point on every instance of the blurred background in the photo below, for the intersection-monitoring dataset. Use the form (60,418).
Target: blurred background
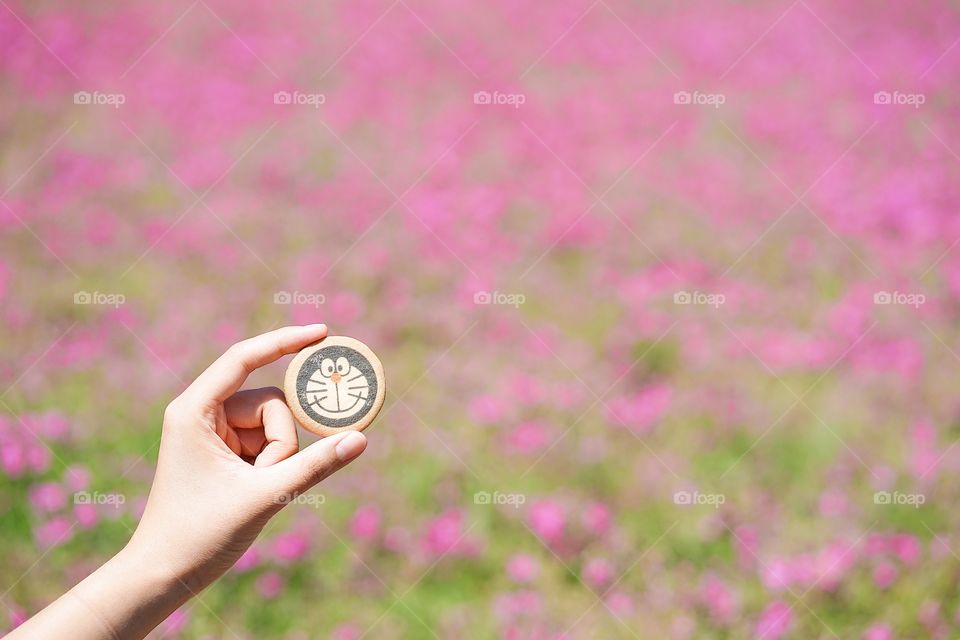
(666,293)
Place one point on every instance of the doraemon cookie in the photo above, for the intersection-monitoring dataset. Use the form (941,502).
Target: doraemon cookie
(334,385)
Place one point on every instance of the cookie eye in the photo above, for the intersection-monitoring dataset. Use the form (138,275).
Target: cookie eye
(342,366)
(326,367)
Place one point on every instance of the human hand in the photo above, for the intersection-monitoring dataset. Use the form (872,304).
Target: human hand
(229,460)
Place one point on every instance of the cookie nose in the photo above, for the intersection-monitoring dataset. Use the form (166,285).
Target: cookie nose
(336,378)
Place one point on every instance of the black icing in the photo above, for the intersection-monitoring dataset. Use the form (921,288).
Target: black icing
(356,359)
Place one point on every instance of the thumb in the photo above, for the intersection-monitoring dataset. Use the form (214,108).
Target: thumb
(302,470)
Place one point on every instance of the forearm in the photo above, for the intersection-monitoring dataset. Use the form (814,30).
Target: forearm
(125,598)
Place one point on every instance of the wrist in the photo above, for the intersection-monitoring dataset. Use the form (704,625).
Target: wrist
(147,571)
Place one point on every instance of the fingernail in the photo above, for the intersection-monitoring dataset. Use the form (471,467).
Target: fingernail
(351,446)
(316,327)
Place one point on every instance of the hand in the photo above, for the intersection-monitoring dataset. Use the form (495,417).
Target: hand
(229,461)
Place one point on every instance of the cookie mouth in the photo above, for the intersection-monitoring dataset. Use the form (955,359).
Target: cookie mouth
(359,391)
(358,398)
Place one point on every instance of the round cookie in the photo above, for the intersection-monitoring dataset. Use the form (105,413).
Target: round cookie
(334,385)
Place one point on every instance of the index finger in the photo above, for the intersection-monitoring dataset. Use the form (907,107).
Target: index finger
(228,372)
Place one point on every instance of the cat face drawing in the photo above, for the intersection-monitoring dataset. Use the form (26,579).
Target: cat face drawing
(337,388)
(337,384)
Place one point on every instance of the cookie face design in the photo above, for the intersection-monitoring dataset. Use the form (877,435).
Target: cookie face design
(335,384)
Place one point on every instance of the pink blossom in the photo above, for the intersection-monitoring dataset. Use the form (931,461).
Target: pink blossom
(907,548)
(54,532)
(832,564)
(522,568)
(641,411)
(548,519)
(270,585)
(778,574)
(925,455)
(346,631)
(290,547)
(346,307)
(878,631)
(175,622)
(77,478)
(51,425)
(38,457)
(13,458)
(512,605)
(444,533)
(86,515)
(597,573)
(18,616)
(774,621)
(365,523)
(47,497)
(720,600)
(526,389)
(833,503)
(247,561)
(884,575)
(528,437)
(620,603)
(597,518)
(486,409)
(4,279)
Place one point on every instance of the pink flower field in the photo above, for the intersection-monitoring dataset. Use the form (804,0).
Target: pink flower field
(667,295)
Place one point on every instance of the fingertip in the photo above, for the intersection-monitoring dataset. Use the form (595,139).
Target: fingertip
(351,446)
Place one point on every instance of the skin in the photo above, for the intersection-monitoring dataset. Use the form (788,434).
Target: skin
(229,461)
